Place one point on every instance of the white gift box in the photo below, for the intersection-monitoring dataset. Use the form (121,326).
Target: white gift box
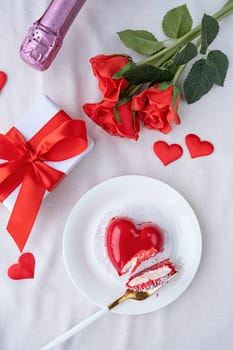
(33,121)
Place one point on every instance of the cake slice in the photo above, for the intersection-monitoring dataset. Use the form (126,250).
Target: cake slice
(137,259)
(152,276)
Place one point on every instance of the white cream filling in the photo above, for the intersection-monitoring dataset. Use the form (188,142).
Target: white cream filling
(129,265)
(150,275)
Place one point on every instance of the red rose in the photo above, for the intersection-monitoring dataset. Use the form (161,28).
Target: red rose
(156,109)
(102,113)
(104,67)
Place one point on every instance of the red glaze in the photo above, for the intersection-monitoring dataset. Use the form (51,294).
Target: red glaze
(124,239)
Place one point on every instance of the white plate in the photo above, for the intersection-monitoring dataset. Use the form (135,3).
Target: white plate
(141,195)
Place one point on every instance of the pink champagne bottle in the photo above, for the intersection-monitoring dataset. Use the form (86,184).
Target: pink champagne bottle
(45,36)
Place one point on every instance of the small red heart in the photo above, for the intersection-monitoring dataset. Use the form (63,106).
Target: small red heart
(198,148)
(3,79)
(24,268)
(167,153)
(124,239)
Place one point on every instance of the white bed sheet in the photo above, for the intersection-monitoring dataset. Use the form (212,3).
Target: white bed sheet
(32,312)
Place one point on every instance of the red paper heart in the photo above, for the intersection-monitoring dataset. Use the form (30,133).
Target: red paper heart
(24,268)
(3,79)
(167,153)
(198,148)
(124,239)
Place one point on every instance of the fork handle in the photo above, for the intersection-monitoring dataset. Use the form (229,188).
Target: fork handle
(128,294)
(60,339)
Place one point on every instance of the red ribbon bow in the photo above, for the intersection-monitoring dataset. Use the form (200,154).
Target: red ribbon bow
(61,138)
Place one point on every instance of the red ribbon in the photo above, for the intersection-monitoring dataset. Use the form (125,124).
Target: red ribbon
(61,138)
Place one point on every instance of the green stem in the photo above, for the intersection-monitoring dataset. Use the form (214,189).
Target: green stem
(130,90)
(225,11)
(135,89)
(178,74)
(173,47)
(227,3)
(181,68)
(198,43)
(166,57)
(223,15)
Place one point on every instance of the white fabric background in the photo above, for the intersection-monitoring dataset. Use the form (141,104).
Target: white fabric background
(32,312)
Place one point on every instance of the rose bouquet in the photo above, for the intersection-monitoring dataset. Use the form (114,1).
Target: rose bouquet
(148,92)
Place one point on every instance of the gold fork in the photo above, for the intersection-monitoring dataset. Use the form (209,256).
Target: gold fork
(138,295)
(133,294)
(129,294)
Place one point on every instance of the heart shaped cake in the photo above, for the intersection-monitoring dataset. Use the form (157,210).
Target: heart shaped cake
(129,244)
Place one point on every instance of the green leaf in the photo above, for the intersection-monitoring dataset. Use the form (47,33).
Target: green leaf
(117,105)
(120,72)
(209,31)
(219,62)
(185,55)
(117,115)
(199,81)
(141,41)
(176,93)
(164,85)
(147,73)
(177,22)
